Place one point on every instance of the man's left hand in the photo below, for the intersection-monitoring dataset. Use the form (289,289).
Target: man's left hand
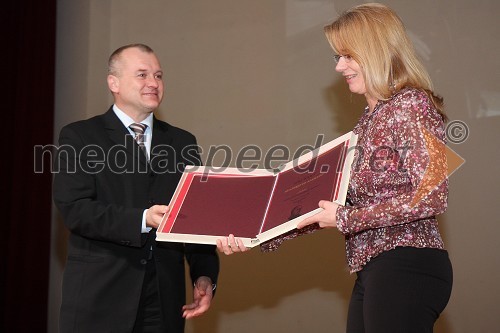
(202,298)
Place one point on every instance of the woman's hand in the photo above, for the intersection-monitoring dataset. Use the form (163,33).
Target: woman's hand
(230,245)
(325,219)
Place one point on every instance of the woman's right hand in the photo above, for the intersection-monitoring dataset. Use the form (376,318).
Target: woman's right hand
(230,245)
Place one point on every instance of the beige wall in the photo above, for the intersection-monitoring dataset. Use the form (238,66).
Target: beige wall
(260,72)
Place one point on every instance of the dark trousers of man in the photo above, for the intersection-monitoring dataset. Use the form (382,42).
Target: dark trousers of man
(149,313)
(401,291)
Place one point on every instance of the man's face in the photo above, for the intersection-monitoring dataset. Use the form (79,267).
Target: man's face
(138,82)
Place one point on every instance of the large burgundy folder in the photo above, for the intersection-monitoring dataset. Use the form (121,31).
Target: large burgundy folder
(260,204)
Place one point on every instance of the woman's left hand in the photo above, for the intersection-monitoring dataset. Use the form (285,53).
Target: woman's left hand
(325,219)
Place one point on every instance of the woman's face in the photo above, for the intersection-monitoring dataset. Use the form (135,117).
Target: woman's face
(352,73)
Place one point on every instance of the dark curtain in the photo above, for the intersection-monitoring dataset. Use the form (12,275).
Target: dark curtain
(28,75)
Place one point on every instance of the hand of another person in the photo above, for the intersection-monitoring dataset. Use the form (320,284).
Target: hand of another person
(154,215)
(325,219)
(202,298)
(231,245)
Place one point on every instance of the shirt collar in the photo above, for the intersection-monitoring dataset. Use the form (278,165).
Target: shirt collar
(126,120)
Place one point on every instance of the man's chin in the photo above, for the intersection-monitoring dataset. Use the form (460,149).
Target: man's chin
(151,106)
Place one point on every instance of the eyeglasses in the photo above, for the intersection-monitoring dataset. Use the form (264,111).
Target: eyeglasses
(346,57)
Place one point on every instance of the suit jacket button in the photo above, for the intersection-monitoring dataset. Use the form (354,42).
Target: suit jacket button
(144,261)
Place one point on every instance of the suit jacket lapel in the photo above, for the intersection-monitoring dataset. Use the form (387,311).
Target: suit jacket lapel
(161,146)
(122,137)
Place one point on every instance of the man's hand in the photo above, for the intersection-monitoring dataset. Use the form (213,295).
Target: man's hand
(154,215)
(202,298)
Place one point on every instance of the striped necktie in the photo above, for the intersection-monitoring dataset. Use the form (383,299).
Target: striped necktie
(139,130)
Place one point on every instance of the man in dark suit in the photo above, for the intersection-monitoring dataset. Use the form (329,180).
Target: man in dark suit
(112,192)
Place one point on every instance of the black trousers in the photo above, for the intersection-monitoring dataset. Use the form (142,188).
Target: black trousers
(149,318)
(400,291)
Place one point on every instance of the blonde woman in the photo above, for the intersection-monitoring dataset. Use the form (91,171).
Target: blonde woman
(398,185)
(393,243)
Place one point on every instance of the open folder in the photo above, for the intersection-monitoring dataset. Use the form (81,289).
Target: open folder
(260,204)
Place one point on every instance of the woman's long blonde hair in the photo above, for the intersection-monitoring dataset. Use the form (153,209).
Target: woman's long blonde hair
(374,36)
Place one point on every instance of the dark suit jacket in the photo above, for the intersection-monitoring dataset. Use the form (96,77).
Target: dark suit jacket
(103,185)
